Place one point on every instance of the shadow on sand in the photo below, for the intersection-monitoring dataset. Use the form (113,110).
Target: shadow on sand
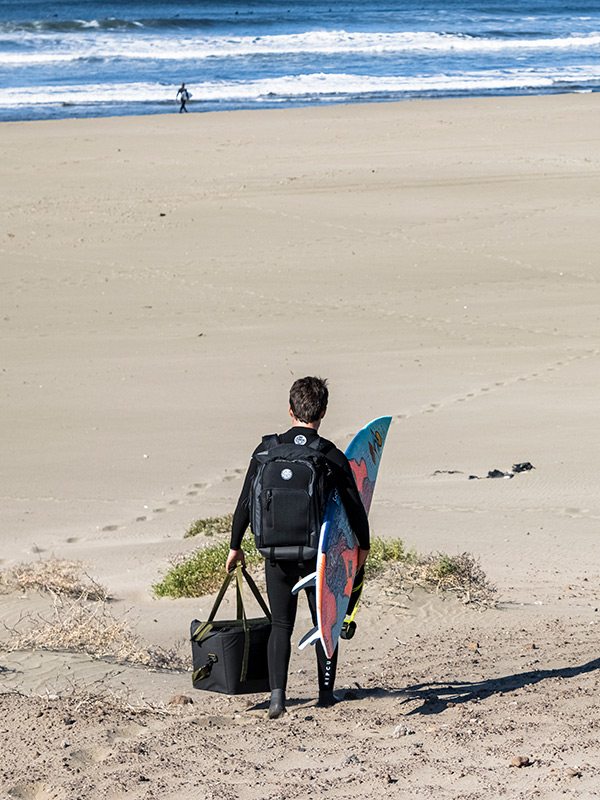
(436,697)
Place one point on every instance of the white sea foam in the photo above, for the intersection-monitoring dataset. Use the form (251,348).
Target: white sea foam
(314,85)
(50,48)
(91,23)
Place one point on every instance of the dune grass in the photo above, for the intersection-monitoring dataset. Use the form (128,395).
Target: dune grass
(80,619)
(56,576)
(211,526)
(461,575)
(203,571)
(75,625)
(385,552)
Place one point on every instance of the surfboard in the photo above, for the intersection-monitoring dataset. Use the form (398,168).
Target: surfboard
(337,557)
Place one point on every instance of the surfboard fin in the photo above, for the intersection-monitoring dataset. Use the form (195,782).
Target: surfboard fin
(309,638)
(305,583)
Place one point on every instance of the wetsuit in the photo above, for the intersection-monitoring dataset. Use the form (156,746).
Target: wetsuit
(183,96)
(281,576)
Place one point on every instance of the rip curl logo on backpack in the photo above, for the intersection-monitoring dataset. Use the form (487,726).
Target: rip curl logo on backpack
(300,439)
(286,474)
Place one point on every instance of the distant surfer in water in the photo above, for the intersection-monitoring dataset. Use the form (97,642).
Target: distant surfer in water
(285,565)
(183,96)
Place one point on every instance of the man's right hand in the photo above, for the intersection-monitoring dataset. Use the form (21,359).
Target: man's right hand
(233,558)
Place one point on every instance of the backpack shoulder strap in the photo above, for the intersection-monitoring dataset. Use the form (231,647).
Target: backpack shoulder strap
(318,444)
(269,441)
(321,445)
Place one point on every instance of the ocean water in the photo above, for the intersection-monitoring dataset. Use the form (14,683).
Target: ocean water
(85,58)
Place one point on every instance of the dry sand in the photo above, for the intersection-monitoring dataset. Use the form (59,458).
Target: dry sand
(163,281)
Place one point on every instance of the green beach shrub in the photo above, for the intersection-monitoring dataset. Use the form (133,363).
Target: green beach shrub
(203,571)
(210,526)
(385,552)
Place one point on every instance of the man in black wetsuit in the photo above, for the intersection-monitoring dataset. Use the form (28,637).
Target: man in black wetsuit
(183,96)
(308,404)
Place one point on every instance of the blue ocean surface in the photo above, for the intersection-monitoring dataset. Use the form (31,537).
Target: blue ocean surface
(85,58)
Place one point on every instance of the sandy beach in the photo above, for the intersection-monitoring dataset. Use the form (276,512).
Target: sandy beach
(163,281)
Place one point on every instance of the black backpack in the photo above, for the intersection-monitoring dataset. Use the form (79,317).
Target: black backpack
(288,497)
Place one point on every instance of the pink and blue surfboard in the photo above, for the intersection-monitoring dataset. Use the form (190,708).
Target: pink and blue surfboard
(337,558)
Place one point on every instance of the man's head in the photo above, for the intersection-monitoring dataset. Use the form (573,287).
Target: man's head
(308,399)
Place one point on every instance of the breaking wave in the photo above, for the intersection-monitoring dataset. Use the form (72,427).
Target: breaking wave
(185,47)
(313,86)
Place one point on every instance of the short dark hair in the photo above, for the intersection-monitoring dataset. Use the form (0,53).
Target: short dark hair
(308,398)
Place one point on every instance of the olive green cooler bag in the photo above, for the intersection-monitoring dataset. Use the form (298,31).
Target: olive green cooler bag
(230,656)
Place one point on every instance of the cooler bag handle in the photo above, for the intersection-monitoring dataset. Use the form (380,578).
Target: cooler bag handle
(202,630)
(257,595)
(240,572)
(205,628)
(240,603)
(241,615)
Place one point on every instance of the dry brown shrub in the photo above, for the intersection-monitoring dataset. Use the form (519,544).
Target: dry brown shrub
(57,576)
(86,627)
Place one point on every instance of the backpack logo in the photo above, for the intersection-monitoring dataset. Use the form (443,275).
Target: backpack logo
(286,474)
(300,439)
